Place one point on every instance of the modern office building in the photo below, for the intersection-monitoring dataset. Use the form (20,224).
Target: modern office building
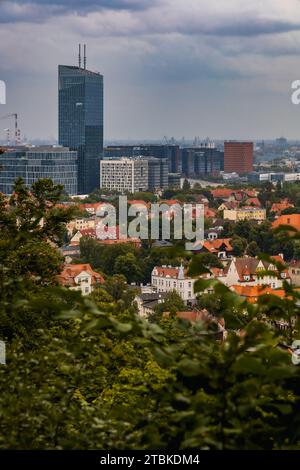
(174,180)
(31,164)
(202,161)
(157,173)
(124,175)
(238,157)
(170,152)
(81,120)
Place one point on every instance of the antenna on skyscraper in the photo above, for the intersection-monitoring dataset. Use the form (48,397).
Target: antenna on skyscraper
(84,57)
(79,56)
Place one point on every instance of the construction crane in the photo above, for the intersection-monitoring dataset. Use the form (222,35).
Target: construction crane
(17,130)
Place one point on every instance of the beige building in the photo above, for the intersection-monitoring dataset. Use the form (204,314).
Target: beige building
(294,272)
(80,277)
(245,213)
(81,224)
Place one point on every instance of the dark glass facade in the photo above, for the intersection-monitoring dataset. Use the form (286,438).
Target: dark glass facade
(202,162)
(81,121)
(157,173)
(58,164)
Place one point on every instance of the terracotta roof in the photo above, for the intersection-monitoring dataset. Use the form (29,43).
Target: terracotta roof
(200,315)
(88,232)
(214,246)
(252,293)
(71,271)
(209,212)
(222,193)
(91,206)
(170,202)
(281,206)
(292,219)
(253,201)
(171,272)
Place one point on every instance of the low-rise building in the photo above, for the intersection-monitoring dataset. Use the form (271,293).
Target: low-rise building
(169,278)
(253,293)
(245,213)
(147,301)
(293,220)
(294,272)
(220,247)
(80,277)
(250,271)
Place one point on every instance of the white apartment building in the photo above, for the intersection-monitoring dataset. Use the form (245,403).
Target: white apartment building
(124,175)
(169,278)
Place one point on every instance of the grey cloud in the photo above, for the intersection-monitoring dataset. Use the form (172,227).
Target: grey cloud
(40,10)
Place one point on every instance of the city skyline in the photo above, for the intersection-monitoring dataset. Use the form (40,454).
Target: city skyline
(223,71)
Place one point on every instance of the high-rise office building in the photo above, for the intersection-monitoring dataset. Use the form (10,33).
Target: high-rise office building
(238,157)
(81,120)
(31,164)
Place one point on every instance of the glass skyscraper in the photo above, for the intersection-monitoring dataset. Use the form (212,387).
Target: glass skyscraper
(81,121)
(32,164)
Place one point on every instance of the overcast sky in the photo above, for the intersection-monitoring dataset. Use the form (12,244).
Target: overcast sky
(218,68)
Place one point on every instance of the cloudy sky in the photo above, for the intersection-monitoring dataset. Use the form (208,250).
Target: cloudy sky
(218,68)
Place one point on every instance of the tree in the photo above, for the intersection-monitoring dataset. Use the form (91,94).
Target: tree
(252,249)
(186,186)
(238,246)
(128,266)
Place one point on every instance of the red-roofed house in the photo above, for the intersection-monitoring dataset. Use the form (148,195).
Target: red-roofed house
(80,277)
(169,278)
(278,207)
(293,220)
(252,293)
(218,246)
(249,271)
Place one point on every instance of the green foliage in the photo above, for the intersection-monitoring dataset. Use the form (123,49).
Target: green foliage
(88,373)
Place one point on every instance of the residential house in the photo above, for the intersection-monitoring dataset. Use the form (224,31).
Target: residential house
(253,293)
(147,301)
(220,247)
(250,271)
(80,277)
(293,220)
(278,207)
(294,272)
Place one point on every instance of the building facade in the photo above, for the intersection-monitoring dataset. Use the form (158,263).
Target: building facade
(31,164)
(169,278)
(124,175)
(157,173)
(80,106)
(247,213)
(80,277)
(238,157)
(202,161)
